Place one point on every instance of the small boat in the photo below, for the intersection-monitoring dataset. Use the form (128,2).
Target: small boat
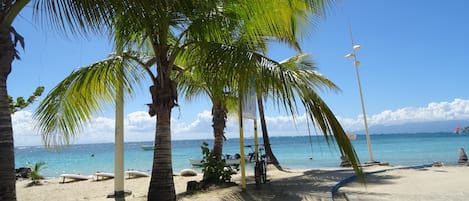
(466,129)
(135,174)
(456,130)
(196,161)
(147,147)
(199,162)
(352,136)
(231,160)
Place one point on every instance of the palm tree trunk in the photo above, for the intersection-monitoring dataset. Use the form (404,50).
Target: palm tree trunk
(219,112)
(161,183)
(164,97)
(271,159)
(7,153)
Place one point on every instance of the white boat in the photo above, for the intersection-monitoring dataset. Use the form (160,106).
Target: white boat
(135,174)
(352,136)
(75,177)
(196,161)
(147,147)
(103,175)
(199,162)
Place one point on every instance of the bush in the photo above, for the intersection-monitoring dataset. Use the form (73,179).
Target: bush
(35,170)
(215,171)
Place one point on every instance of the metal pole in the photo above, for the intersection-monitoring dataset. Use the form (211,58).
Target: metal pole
(368,140)
(356,64)
(241,145)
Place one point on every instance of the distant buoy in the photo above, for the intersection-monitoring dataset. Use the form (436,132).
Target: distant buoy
(310,158)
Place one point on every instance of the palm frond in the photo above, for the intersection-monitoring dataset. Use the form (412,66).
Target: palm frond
(65,110)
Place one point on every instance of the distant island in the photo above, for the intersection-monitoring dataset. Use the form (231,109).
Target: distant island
(419,127)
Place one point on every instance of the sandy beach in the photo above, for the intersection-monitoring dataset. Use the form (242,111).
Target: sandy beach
(434,183)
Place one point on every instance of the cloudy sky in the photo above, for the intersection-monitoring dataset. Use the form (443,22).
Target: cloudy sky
(140,127)
(413,69)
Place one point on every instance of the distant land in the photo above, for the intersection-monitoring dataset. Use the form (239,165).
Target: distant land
(418,127)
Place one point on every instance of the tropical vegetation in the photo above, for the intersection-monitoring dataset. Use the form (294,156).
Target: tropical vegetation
(20,103)
(35,174)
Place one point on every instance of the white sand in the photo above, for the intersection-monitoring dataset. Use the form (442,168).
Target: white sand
(435,183)
(443,183)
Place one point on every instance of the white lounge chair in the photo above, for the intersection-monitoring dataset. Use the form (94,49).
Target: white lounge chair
(103,175)
(75,177)
(135,174)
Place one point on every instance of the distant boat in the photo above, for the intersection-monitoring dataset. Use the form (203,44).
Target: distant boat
(232,160)
(466,129)
(352,136)
(147,147)
(456,130)
(199,162)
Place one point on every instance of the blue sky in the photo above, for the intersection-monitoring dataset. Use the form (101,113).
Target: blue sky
(413,68)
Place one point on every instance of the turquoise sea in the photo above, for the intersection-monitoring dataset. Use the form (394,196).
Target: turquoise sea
(292,152)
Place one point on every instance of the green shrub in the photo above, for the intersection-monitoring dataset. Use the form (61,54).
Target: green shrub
(215,171)
(35,170)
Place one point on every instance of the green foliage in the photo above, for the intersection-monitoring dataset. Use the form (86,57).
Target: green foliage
(21,103)
(215,171)
(35,171)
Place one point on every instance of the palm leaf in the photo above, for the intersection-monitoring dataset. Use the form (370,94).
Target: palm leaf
(65,110)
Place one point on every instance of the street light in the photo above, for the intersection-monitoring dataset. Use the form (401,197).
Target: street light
(356,64)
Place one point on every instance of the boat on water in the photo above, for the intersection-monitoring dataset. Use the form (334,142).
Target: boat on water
(232,160)
(147,147)
(199,162)
(351,136)
(457,129)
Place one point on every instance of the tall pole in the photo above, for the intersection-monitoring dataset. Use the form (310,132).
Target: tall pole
(119,145)
(241,144)
(356,64)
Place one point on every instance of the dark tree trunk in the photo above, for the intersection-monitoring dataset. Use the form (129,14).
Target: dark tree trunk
(164,97)
(219,112)
(271,159)
(7,153)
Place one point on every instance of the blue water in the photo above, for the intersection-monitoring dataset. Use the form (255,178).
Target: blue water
(292,152)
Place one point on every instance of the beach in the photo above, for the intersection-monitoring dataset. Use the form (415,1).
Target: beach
(392,183)
(435,183)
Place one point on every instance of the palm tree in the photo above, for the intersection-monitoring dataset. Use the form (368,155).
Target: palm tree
(170,27)
(192,83)
(9,38)
(35,171)
(302,69)
(20,103)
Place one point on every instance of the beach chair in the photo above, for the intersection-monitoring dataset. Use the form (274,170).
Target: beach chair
(103,175)
(74,177)
(135,174)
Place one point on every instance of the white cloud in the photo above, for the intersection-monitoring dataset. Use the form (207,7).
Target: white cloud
(458,109)
(139,126)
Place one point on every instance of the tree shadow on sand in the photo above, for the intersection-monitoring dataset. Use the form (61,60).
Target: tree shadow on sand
(311,185)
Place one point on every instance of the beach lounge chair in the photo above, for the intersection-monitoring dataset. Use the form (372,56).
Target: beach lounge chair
(135,174)
(75,177)
(103,175)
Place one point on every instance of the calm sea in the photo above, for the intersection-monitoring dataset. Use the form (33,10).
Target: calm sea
(292,152)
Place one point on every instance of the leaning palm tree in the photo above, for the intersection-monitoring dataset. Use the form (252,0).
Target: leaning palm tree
(302,69)
(285,82)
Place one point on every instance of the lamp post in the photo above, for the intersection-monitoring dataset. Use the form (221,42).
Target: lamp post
(356,64)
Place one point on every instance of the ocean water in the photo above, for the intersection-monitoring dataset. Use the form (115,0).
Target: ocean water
(292,152)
